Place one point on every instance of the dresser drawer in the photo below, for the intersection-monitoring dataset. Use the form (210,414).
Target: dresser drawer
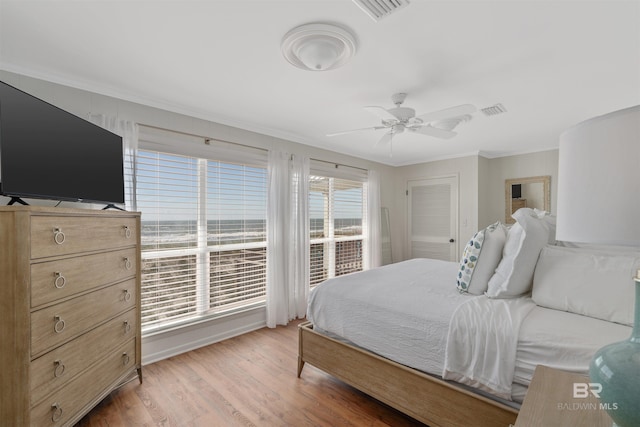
(54,369)
(52,235)
(58,408)
(51,326)
(54,280)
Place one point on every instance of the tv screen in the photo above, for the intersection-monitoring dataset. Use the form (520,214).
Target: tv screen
(516,191)
(46,152)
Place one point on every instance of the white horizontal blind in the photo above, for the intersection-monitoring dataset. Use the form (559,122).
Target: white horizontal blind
(236,234)
(203,236)
(337,218)
(167,196)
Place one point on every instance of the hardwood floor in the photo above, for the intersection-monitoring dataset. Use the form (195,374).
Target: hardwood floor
(249,380)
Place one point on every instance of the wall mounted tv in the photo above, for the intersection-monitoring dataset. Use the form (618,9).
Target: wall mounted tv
(48,153)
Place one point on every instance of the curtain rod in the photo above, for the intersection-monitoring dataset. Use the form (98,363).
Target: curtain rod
(206,138)
(340,164)
(240,144)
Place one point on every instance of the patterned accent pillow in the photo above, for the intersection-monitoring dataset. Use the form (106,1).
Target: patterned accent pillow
(469,260)
(480,258)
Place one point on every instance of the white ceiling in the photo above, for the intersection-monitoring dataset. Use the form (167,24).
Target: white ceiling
(551,64)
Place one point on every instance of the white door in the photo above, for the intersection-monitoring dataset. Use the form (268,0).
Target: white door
(433,218)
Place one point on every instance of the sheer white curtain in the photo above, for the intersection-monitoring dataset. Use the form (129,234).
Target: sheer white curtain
(277,244)
(374,258)
(287,238)
(129,132)
(299,237)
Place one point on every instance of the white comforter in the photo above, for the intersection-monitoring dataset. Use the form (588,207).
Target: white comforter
(400,311)
(411,312)
(482,342)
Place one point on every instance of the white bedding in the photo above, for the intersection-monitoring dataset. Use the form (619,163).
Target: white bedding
(400,311)
(482,343)
(562,340)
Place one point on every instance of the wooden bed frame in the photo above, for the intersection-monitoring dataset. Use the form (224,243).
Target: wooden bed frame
(426,398)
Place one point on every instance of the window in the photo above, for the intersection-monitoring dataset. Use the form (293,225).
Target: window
(337,226)
(203,236)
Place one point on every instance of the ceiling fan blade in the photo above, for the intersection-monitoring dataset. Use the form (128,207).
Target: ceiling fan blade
(435,132)
(381,113)
(385,139)
(344,132)
(460,110)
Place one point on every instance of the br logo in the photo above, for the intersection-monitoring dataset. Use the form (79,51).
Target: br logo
(582,390)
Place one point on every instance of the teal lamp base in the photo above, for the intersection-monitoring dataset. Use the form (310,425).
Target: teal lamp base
(616,368)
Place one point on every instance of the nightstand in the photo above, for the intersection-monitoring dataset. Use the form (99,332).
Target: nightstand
(550,401)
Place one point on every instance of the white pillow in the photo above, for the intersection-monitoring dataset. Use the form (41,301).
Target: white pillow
(480,259)
(587,282)
(526,238)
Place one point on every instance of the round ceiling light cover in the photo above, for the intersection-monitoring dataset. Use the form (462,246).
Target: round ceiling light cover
(318,46)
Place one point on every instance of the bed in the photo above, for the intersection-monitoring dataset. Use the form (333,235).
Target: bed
(407,336)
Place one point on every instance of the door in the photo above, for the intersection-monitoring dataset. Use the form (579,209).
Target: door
(433,218)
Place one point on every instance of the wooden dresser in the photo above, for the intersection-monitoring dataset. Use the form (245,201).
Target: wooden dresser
(70,311)
(517,204)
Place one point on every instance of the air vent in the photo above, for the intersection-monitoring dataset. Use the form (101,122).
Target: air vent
(494,110)
(378,9)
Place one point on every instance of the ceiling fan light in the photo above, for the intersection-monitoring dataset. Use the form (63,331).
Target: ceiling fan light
(318,47)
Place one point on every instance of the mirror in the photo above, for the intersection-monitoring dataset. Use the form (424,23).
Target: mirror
(532,192)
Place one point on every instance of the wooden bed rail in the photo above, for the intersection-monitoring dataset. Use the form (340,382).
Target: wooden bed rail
(426,398)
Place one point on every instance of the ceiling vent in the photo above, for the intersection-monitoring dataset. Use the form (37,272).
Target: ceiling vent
(494,110)
(378,9)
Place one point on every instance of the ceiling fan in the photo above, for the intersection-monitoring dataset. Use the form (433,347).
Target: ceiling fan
(400,119)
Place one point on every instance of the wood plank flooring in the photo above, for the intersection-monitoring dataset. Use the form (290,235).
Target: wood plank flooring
(249,380)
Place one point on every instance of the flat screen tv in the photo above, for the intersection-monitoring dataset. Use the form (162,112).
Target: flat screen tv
(48,153)
(516,191)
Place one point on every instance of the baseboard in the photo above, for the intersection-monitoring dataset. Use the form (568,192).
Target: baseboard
(167,344)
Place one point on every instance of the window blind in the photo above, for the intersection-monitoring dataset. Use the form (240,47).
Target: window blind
(337,215)
(167,196)
(203,235)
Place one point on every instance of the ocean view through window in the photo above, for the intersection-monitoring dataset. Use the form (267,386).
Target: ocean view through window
(203,237)
(337,217)
(204,228)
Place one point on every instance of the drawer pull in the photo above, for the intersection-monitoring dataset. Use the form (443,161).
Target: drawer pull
(59,368)
(127,295)
(56,412)
(127,263)
(58,236)
(127,327)
(125,359)
(60,280)
(60,324)
(127,232)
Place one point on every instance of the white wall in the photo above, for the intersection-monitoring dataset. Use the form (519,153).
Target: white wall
(481,199)
(485,191)
(466,168)
(496,171)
